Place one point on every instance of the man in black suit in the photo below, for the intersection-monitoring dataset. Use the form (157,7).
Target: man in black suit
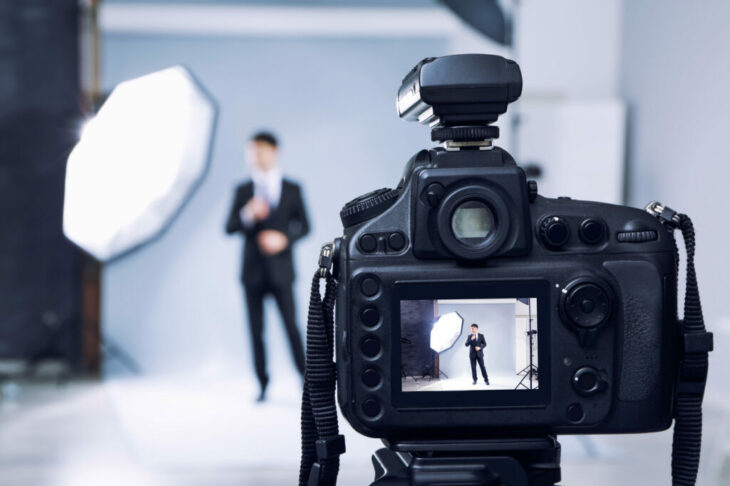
(268,210)
(476,344)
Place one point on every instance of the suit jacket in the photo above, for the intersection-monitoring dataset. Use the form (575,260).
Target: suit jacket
(479,342)
(289,217)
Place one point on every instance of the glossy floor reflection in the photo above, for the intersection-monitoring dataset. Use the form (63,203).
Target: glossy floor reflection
(183,431)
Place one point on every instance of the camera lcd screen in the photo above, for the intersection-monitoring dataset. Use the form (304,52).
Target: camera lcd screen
(469,344)
(457,343)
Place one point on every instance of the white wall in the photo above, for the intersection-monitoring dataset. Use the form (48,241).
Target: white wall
(571,121)
(569,48)
(675,76)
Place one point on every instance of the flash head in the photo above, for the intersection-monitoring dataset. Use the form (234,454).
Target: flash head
(462,90)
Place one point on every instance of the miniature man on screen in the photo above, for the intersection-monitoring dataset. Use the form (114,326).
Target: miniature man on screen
(476,344)
(269,212)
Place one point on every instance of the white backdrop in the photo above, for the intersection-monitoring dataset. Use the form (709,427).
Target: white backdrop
(497,323)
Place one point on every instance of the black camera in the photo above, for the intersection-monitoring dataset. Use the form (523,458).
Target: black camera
(575,301)
(474,320)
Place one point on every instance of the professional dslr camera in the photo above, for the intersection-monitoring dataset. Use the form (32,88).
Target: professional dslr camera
(567,307)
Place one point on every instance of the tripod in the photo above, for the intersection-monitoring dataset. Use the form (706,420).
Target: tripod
(493,462)
(529,372)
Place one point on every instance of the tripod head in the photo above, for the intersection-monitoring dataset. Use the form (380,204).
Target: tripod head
(489,462)
(459,96)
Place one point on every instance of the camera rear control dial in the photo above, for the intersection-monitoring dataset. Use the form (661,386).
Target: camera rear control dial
(586,305)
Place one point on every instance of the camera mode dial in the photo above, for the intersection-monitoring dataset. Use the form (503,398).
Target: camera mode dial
(367,206)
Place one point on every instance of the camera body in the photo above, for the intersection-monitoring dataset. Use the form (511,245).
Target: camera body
(464,236)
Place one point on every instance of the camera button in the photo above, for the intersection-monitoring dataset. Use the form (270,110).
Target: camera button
(368,243)
(371,407)
(370,347)
(369,286)
(554,232)
(370,316)
(396,241)
(434,193)
(371,378)
(575,412)
(587,381)
(592,231)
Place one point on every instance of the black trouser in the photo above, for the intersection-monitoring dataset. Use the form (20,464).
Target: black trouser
(474,358)
(285,301)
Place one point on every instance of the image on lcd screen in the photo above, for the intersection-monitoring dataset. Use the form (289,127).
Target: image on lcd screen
(442,350)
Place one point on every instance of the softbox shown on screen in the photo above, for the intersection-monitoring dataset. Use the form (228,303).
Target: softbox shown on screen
(137,161)
(446,330)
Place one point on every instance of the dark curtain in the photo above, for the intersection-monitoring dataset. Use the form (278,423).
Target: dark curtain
(39,122)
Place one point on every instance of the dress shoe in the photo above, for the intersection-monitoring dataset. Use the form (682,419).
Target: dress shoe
(262,396)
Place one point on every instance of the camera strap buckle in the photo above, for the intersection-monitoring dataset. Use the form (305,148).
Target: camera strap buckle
(330,447)
(694,364)
(697,342)
(329,450)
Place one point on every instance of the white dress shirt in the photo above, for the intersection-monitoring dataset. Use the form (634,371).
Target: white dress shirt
(267,185)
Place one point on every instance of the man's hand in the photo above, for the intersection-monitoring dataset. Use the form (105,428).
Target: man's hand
(272,242)
(473,337)
(256,209)
(477,348)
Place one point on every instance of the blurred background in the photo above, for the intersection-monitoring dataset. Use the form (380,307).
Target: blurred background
(129,362)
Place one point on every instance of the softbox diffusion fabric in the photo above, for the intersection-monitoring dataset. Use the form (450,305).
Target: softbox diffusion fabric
(137,162)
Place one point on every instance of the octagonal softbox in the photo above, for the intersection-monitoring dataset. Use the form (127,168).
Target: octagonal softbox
(445,331)
(137,162)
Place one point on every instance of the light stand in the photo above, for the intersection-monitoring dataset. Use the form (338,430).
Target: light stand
(529,372)
(404,374)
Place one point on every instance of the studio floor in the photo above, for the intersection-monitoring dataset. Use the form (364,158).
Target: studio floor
(497,381)
(208,431)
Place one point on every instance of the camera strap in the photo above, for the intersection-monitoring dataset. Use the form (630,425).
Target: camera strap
(322,444)
(695,346)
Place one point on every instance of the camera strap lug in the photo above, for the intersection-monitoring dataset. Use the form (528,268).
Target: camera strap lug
(668,216)
(694,361)
(325,259)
